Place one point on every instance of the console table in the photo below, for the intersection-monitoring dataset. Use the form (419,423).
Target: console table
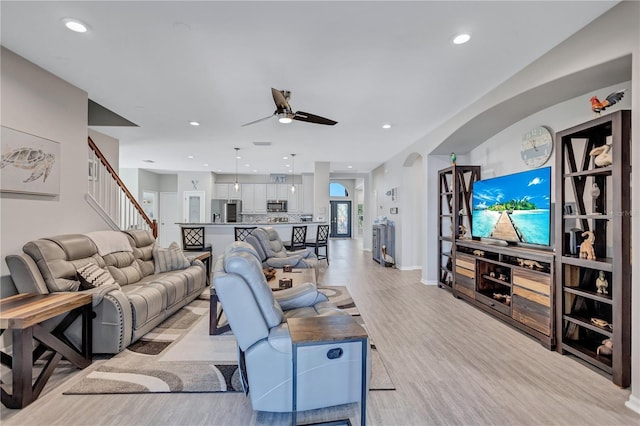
(514,284)
(313,331)
(23,315)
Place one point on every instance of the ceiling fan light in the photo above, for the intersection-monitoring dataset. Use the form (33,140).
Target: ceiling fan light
(284,118)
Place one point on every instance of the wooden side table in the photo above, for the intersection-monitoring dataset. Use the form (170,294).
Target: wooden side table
(314,331)
(205,257)
(23,315)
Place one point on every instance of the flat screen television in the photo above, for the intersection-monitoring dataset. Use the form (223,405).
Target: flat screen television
(514,208)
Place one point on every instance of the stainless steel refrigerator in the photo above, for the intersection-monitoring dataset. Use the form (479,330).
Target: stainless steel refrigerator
(226,211)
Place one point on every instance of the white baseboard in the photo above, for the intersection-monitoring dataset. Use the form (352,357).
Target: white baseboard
(409,268)
(429,282)
(633,403)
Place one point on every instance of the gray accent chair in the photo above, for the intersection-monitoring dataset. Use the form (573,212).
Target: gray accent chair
(272,252)
(258,319)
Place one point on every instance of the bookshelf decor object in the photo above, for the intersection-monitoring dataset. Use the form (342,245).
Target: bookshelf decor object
(593,310)
(454,215)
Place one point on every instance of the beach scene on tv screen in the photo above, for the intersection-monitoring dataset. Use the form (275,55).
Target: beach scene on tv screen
(514,207)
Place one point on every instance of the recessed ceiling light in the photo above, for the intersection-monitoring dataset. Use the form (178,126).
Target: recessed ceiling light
(189,156)
(285,158)
(349,167)
(75,25)
(287,165)
(386,126)
(205,165)
(461,38)
(194,123)
(247,165)
(254,171)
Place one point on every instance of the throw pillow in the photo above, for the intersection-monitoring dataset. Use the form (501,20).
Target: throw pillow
(169,259)
(91,276)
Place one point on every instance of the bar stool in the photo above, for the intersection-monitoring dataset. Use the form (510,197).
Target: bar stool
(298,238)
(321,240)
(193,240)
(242,232)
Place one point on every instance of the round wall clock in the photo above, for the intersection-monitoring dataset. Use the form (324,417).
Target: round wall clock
(537,145)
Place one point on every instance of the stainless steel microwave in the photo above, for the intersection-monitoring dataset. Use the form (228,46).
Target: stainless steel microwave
(276,206)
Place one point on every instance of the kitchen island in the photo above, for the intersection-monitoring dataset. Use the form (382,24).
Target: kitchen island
(220,235)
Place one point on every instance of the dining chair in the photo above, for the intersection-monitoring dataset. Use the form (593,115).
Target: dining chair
(298,238)
(242,232)
(321,240)
(193,239)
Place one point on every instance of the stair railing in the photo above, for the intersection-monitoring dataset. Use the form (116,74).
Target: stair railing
(119,207)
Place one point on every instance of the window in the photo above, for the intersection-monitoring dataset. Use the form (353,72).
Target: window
(337,190)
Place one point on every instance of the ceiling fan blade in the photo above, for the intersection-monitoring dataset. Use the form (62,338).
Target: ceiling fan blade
(312,118)
(280,100)
(258,120)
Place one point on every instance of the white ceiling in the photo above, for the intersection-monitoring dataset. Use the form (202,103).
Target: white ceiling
(162,64)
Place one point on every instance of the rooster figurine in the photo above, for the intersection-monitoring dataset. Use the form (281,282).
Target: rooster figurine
(613,98)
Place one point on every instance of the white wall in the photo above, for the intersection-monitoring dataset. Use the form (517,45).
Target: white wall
(37,102)
(411,213)
(204,183)
(307,193)
(321,191)
(500,155)
(108,146)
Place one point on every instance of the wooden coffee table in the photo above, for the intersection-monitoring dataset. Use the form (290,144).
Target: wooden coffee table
(298,276)
(23,315)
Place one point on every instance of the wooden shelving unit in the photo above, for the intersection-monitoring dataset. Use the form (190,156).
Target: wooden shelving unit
(454,209)
(585,316)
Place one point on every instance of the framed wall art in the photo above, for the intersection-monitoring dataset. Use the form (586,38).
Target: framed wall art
(30,164)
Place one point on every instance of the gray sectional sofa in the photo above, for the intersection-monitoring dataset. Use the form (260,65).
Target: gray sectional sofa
(133,303)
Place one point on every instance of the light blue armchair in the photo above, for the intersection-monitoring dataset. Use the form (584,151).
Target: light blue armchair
(259,322)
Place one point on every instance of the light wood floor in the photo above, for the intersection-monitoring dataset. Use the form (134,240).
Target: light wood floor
(451,364)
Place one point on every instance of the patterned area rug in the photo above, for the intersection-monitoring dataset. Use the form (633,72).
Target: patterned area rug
(180,356)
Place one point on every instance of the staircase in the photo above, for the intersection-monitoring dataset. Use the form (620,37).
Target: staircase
(109,196)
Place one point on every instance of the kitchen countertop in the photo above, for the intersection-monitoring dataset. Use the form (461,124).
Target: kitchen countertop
(249,223)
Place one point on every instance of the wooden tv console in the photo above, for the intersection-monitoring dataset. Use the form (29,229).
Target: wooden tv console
(514,284)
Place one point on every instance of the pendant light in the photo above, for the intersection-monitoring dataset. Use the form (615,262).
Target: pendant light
(293,165)
(236,186)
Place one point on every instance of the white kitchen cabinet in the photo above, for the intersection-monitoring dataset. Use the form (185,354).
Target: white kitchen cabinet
(272,191)
(278,191)
(221,191)
(248,205)
(254,198)
(283,191)
(260,198)
(295,200)
(226,191)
